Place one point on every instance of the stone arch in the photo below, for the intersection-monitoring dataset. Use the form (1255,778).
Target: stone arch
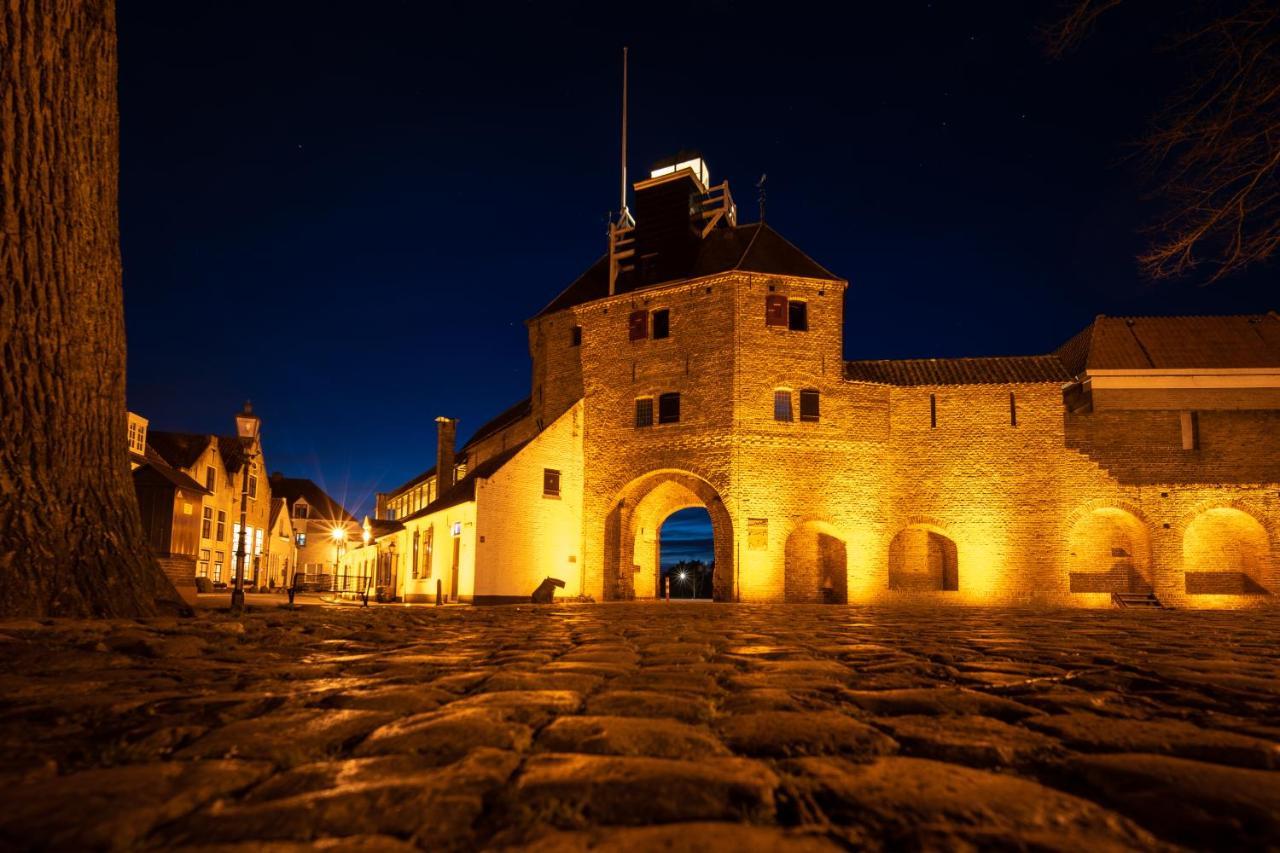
(817,564)
(1226,551)
(922,557)
(1109,550)
(632,533)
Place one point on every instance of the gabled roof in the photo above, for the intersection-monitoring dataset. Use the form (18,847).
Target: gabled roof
(154,463)
(1147,343)
(1001,370)
(748,248)
(465,489)
(179,449)
(294,488)
(231,449)
(278,505)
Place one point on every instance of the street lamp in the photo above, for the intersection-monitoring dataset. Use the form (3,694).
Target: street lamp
(339,537)
(247,427)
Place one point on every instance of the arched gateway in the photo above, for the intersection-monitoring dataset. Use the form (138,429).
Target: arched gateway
(632,556)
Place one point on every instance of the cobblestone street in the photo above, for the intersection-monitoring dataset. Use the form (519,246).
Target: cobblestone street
(644,726)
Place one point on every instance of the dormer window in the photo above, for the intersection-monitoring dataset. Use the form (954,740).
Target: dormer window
(300,509)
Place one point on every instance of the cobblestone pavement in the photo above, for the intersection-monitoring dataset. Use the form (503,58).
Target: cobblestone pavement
(643,726)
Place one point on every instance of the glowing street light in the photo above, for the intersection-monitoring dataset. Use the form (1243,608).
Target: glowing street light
(339,535)
(248,426)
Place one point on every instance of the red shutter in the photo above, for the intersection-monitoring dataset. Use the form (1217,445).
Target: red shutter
(775,310)
(638,325)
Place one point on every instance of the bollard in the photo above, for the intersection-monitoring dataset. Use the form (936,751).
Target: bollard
(439,592)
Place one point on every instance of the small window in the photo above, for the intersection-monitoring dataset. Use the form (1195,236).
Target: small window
(638,325)
(933,411)
(575,336)
(253,487)
(222,525)
(1013,410)
(550,482)
(206,524)
(218,558)
(1190,430)
(809,405)
(661,323)
(301,539)
(457,528)
(210,477)
(798,316)
(669,408)
(782,405)
(644,412)
(300,510)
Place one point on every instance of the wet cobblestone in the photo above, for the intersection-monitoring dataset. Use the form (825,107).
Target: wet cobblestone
(643,726)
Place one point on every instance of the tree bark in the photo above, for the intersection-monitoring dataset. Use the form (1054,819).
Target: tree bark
(71,541)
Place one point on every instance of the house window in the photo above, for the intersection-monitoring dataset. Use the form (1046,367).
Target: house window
(202,567)
(257,541)
(575,336)
(550,482)
(300,510)
(669,408)
(253,487)
(661,323)
(218,558)
(809,405)
(798,316)
(210,478)
(457,528)
(782,405)
(644,412)
(222,525)
(427,552)
(206,523)
(413,565)
(638,325)
(301,539)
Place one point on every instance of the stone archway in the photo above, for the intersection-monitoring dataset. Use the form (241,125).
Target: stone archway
(633,526)
(923,558)
(1225,551)
(817,565)
(1109,550)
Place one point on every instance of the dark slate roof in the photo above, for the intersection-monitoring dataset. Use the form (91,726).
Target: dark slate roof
(1001,370)
(179,449)
(154,462)
(1145,343)
(232,450)
(749,248)
(465,489)
(500,422)
(293,488)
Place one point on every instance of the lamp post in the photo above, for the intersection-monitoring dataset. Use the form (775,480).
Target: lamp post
(247,427)
(339,537)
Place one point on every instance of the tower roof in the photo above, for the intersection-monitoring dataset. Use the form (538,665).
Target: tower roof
(747,248)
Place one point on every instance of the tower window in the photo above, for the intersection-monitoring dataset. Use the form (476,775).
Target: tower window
(575,336)
(775,310)
(933,411)
(669,408)
(644,412)
(782,405)
(661,323)
(550,482)
(798,316)
(809,405)
(1013,409)
(638,325)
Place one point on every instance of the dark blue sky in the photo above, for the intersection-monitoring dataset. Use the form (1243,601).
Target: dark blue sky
(346,213)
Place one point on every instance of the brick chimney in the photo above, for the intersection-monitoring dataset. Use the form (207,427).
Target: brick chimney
(446,435)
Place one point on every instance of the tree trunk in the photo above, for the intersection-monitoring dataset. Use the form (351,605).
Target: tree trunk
(71,541)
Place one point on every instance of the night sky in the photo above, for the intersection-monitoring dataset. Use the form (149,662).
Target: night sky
(346,213)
